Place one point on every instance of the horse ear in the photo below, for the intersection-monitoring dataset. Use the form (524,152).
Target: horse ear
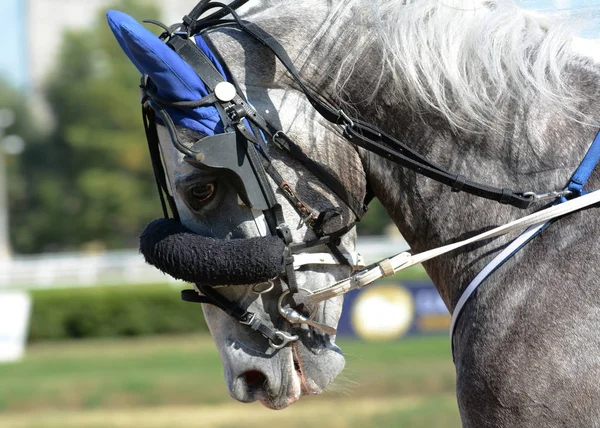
(115,18)
(173,77)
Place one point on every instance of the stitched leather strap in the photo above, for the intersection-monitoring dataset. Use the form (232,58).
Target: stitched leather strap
(212,297)
(370,137)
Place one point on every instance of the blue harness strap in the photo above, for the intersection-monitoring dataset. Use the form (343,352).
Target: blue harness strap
(585,169)
(576,184)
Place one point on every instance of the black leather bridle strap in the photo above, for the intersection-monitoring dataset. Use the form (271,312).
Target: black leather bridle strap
(203,6)
(212,77)
(298,247)
(212,297)
(357,135)
(197,60)
(157,166)
(371,138)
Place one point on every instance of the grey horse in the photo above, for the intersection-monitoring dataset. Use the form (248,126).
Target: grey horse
(482,88)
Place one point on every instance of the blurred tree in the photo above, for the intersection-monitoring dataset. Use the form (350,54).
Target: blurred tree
(90,182)
(15,100)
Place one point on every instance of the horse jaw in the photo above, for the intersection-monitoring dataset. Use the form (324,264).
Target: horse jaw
(277,379)
(253,370)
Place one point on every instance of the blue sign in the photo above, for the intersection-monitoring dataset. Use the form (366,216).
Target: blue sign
(391,310)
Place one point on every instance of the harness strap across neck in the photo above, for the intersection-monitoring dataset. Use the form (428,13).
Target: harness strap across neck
(578,181)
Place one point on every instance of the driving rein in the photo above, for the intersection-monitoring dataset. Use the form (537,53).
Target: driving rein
(245,136)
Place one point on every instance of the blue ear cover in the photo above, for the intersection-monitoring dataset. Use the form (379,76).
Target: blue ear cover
(174,79)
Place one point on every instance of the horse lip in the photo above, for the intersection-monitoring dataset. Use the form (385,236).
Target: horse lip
(301,385)
(306,386)
(285,397)
(278,403)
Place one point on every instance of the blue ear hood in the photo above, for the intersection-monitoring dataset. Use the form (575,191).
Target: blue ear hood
(175,80)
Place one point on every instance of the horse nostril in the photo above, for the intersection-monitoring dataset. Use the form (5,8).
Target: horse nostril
(255,379)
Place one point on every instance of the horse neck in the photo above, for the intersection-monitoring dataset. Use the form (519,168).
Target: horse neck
(535,150)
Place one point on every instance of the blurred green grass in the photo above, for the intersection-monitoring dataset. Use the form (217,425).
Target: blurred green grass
(132,382)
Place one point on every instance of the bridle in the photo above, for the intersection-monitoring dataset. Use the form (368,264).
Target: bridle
(245,131)
(245,136)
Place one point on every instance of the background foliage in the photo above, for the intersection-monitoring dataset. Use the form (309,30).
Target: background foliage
(112,312)
(88,184)
(89,181)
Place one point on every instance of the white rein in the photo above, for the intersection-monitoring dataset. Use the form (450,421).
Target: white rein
(390,266)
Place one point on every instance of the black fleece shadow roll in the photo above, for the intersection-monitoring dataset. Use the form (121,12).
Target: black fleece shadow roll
(183,254)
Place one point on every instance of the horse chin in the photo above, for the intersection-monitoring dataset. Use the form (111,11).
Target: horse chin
(308,377)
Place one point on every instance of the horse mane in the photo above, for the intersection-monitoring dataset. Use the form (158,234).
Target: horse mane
(465,58)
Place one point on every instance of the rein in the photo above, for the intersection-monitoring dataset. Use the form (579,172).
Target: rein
(395,264)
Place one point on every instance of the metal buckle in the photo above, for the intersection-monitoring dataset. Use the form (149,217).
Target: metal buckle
(535,197)
(285,339)
(248,321)
(276,137)
(348,121)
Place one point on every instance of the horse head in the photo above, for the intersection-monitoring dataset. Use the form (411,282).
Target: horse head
(254,228)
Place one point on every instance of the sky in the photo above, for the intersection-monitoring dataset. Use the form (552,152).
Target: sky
(12,44)
(13,56)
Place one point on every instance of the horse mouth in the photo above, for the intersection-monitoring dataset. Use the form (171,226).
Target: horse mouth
(299,385)
(307,386)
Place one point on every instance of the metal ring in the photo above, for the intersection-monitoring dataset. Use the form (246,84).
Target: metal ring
(285,339)
(283,313)
(276,135)
(266,290)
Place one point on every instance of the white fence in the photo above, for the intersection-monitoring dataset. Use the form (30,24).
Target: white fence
(67,270)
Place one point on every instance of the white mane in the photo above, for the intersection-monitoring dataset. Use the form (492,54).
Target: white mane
(464,57)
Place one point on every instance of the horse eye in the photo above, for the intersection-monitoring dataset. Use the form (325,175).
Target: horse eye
(200,194)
